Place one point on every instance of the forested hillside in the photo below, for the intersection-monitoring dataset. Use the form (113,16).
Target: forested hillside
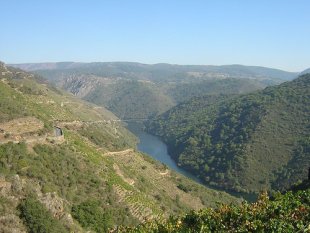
(135,90)
(182,92)
(246,143)
(131,99)
(70,166)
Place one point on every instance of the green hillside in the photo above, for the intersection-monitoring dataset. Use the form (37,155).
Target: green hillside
(143,98)
(131,99)
(140,99)
(88,177)
(182,92)
(135,90)
(246,143)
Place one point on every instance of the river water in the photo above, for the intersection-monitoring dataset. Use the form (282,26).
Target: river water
(154,147)
(157,149)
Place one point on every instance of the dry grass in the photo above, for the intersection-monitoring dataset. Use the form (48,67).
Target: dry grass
(22,125)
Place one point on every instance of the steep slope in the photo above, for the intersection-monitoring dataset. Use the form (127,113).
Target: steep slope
(67,165)
(182,92)
(246,143)
(134,90)
(159,86)
(131,99)
(143,99)
(307,71)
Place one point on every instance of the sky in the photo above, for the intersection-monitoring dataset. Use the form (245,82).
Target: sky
(271,33)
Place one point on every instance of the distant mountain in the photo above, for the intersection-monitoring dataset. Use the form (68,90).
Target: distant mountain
(67,165)
(307,71)
(135,90)
(157,72)
(46,65)
(246,143)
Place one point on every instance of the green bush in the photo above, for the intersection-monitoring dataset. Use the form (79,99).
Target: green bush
(90,215)
(37,218)
(184,188)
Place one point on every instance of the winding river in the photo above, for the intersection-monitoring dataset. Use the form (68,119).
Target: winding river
(157,149)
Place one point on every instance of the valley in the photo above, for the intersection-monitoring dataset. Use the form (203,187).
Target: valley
(155,116)
(246,143)
(95,165)
(196,94)
(157,149)
(135,90)
(181,103)
(199,125)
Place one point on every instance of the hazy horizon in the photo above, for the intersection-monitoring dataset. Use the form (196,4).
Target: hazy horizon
(269,34)
(86,62)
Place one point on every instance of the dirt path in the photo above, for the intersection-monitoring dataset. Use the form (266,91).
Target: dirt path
(164,173)
(120,173)
(123,152)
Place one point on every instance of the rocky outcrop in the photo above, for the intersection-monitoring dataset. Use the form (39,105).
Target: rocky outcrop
(53,203)
(10,223)
(14,189)
(80,85)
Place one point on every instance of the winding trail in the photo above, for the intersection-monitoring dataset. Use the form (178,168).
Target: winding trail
(164,173)
(122,152)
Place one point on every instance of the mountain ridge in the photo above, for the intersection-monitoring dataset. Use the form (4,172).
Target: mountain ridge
(249,70)
(134,90)
(306,71)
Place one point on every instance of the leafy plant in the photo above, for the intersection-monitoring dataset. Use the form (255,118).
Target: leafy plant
(285,213)
(37,218)
(91,216)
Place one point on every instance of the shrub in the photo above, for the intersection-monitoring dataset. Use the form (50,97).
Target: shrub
(37,218)
(285,213)
(90,215)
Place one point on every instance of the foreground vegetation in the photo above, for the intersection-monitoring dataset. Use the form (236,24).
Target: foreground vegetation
(37,218)
(282,213)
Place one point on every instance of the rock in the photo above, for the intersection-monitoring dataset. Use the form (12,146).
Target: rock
(5,187)
(17,185)
(67,218)
(53,203)
(10,223)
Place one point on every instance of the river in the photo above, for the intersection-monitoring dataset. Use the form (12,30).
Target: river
(157,149)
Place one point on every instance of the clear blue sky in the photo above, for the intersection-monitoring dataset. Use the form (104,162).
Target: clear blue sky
(273,33)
